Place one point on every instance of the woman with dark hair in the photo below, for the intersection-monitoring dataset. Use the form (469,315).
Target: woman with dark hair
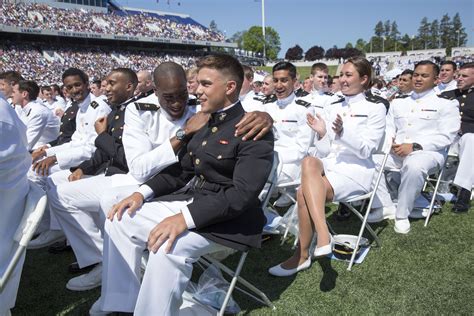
(357,126)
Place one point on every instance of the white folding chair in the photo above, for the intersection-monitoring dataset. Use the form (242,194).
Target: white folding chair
(34,209)
(207,260)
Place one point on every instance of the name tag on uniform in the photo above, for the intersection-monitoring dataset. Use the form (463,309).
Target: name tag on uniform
(428,110)
(289,121)
(359,115)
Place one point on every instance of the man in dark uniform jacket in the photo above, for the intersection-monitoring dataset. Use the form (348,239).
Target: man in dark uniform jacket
(219,207)
(465,173)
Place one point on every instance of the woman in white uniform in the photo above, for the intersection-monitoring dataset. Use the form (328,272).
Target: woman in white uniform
(14,164)
(357,127)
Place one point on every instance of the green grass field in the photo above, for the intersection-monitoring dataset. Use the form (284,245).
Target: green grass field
(428,271)
(303,71)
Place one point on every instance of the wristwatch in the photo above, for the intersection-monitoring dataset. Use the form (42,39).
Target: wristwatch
(416,147)
(181,135)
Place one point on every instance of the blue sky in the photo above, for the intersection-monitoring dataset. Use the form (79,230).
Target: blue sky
(316,22)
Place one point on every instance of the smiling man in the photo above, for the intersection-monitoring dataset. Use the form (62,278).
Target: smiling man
(220,207)
(422,126)
(74,145)
(446,77)
(464,94)
(293,135)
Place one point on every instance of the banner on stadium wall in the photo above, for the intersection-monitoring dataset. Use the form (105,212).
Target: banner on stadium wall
(25,30)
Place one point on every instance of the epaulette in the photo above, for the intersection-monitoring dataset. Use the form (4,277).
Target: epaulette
(301,93)
(146,106)
(402,96)
(450,95)
(376,99)
(94,105)
(303,103)
(341,99)
(269,99)
(258,99)
(193,102)
(329,93)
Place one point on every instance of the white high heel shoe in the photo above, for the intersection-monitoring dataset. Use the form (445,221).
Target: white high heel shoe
(278,270)
(324,250)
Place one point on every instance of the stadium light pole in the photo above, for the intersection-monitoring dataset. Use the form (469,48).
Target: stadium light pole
(383,44)
(263,31)
(457,31)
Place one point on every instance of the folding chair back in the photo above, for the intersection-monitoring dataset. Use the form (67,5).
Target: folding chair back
(34,209)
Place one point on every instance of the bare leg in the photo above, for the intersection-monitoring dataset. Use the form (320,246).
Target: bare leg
(311,196)
(316,191)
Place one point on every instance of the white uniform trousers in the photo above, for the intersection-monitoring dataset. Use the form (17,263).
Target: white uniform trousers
(413,171)
(465,173)
(49,220)
(166,275)
(76,206)
(114,195)
(13,205)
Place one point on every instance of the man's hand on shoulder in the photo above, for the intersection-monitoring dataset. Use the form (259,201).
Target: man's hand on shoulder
(254,125)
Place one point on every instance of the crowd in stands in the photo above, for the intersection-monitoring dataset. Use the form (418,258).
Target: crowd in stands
(30,61)
(136,23)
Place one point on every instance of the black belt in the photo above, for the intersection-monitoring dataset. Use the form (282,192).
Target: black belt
(200,183)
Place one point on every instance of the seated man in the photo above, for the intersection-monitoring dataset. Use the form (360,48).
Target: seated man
(422,126)
(14,163)
(66,154)
(42,126)
(464,178)
(293,136)
(221,207)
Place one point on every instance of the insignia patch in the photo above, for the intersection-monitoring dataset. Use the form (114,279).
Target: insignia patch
(303,103)
(146,106)
(94,104)
(221,116)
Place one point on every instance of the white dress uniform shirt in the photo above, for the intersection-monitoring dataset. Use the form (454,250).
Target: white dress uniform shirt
(350,154)
(14,163)
(425,119)
(320,100)
(146,139)
(293,136)
(42,126)
(57,103)
(81,146)
(251,102)
(442,87)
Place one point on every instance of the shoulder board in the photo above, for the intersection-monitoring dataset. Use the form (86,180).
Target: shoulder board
(269,99)
(146,106)
(258,99)
(303,103)
(450,95)
(301,93)
(341,99)
(329,93)
(377,99)
(193,102)
(402,96)
(94,104)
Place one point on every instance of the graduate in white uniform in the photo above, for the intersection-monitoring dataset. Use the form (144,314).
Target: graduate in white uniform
(42,126)
(14,163)
(420,128)
(49,160)
(349,135)
(293,137)
(250,101)
(7,80)
(446,77)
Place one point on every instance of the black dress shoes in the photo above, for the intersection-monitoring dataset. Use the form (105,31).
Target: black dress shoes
(463,202)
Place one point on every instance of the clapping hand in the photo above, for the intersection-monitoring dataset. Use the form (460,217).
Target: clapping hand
(317,124)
